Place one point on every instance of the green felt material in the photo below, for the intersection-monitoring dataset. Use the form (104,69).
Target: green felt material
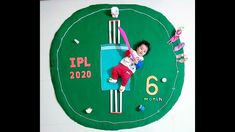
(90,27)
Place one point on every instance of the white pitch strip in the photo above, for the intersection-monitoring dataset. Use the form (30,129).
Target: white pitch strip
(112,40)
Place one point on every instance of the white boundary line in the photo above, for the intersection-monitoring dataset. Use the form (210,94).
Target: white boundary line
(128,9)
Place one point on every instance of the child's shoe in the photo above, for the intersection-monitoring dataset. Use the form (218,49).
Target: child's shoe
(179,46)
(180,55)
(122,88)
(112,80)
(182,60)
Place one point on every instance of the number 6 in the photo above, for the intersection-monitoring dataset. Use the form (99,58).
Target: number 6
(151,85)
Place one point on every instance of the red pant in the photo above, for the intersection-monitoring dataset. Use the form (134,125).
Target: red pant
(122,71)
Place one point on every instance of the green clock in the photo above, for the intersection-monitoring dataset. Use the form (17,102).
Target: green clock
(86,47)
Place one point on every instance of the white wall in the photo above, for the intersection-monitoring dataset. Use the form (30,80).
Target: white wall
(181,118)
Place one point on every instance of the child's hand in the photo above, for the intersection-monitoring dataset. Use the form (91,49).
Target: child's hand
(136,61)
(131,51)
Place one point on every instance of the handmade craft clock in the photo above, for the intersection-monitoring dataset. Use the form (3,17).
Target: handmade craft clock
(88,44)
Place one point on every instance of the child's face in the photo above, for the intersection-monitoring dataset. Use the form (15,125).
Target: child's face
(142,50)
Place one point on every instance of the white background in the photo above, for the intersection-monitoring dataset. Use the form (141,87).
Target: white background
(181,118)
